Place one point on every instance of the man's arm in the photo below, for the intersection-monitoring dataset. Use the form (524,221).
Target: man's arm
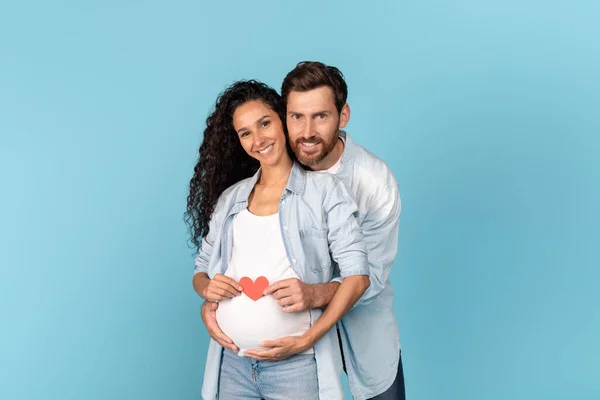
(380,228)
(293,295)
(345,240)
(348,249)
(324,292)
(349,292)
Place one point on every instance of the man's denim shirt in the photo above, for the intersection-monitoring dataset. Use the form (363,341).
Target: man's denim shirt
(318,220)
(369,331)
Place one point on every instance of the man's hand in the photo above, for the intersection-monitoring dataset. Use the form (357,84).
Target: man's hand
(280,349)
(292,295)
(221,287)
(209,317)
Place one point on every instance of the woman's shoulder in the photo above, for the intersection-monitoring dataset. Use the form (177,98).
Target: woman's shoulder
(229,196)
(233,190)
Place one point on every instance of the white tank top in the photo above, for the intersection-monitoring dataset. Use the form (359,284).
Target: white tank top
(258,250)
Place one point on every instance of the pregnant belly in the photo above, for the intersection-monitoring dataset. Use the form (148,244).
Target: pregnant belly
(249,322)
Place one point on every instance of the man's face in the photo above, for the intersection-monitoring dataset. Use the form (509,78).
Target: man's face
(313,123)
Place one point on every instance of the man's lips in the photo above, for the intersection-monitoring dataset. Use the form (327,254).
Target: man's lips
(309,146)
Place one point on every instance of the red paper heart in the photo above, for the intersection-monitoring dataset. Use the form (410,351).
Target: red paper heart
(255,289)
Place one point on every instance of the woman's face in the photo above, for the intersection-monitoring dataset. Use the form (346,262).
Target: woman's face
(260,132)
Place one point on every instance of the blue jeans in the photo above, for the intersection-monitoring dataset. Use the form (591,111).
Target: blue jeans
(244,378)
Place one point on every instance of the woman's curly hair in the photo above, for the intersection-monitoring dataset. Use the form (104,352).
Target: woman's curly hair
(222,161)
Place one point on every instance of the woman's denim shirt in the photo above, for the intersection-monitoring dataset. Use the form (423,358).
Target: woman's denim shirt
(318,221)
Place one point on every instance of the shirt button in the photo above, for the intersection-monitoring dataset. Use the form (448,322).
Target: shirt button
(282,202)
(285,228)
(294,260)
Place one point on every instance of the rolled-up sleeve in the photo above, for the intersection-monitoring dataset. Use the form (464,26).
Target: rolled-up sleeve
(203,257)
(208,241)
(381,228)
(346,241)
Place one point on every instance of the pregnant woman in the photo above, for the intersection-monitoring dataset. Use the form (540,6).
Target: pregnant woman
(259,218)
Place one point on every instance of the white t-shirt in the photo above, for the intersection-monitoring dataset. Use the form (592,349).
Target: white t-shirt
(258,250)
(335,168)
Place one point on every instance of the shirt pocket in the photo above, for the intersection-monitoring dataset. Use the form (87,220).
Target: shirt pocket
(316,249)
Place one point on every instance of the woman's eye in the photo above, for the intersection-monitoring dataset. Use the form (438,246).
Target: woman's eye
(264,124)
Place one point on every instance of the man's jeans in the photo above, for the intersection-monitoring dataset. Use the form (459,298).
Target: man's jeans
(244,378)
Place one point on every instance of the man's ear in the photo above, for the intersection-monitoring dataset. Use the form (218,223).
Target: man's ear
(344,116)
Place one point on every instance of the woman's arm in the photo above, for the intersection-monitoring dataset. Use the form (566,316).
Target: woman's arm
(220,287)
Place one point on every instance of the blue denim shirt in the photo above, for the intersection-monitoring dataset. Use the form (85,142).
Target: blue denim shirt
(318,220)
(369,331)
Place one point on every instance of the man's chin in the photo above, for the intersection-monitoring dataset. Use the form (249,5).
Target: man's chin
(309,160)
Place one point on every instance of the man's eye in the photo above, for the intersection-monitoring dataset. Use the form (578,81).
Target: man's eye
(321,116)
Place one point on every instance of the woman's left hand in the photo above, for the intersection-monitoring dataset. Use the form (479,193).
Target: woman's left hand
(280,349)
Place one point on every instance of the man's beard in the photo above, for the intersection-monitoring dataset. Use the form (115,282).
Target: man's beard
(313,159)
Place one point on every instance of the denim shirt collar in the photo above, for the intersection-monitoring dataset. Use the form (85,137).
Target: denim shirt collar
(349,147)
(296,183)
(297,179)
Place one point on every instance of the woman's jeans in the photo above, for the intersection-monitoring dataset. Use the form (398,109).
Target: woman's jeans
(245,378)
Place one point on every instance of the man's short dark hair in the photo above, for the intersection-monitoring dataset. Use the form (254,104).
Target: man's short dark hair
(309,75)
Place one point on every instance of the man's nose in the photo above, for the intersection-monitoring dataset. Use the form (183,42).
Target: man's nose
(309,129)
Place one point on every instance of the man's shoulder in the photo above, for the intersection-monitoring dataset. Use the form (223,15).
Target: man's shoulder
(368,168)
(374,185)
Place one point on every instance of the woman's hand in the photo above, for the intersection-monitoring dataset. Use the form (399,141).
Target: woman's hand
(221,287)
(209,317)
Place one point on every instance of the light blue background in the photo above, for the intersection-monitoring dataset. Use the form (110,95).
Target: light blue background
(487,111)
